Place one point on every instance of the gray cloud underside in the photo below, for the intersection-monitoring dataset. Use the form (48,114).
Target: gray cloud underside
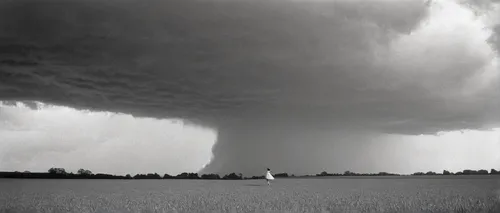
(245,65)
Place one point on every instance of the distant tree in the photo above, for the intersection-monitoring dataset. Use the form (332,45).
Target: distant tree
(383,174)
(494,172)
(128,176)
(323,173)
(186,175)
(232,176)
(281,175)
(105,176)
(446,172)
(482,172)
(418,173)
(430,173)
(147,176)
(210,176)
(183,175)
(469,172)
(348,173)
(167,176)
(154,176)
(193,176)
(27,172)
(59,171)
(84,172)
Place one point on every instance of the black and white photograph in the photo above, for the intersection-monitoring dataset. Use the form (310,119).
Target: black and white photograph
(252,106)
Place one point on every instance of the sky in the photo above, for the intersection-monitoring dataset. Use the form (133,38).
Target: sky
(240,86)
(55,136)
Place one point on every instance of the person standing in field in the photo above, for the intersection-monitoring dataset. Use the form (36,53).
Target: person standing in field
(269,177)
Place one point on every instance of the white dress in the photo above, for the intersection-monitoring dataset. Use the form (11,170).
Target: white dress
(269,176)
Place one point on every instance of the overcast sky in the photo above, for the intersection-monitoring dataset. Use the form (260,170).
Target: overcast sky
(296,86)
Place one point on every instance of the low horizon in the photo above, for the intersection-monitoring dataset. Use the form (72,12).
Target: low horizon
(280,172)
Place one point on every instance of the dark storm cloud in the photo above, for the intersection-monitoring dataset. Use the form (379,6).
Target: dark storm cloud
(248,66)
(225,59)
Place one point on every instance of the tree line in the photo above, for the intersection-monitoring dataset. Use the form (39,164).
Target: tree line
(60,173)
(429,173)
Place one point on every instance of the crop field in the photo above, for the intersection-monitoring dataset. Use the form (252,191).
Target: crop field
(284,195)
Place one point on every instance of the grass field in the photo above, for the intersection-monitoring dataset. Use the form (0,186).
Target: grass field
(285,195)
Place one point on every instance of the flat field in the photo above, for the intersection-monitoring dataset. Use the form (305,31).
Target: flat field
(454,194)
